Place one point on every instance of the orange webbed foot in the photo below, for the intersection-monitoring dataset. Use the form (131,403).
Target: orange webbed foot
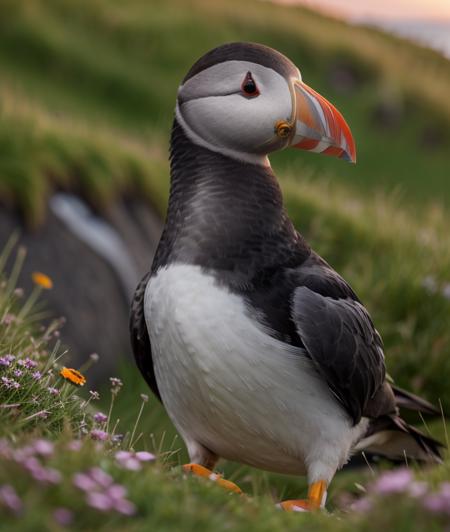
(317,493)
(200,471)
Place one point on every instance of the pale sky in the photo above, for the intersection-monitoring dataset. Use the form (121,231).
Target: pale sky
(384,9)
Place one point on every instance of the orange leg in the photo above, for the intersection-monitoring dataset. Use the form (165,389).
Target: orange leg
(317,493)
(200,471)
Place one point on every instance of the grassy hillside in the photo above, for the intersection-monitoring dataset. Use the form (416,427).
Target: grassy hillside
(68,462)
(87,91)
(88,88)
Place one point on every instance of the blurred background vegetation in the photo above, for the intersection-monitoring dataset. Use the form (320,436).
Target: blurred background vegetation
(87,91)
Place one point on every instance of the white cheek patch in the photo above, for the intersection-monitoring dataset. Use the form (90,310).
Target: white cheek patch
(215,114)
(252,158)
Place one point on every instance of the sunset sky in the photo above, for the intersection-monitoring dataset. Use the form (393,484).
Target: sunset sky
(384,9)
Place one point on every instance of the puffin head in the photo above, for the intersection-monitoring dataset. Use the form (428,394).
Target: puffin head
(246,100)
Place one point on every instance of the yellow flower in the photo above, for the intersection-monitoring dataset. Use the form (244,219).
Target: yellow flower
(42,280)
(73,375)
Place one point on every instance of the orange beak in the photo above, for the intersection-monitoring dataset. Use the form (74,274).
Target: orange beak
(318,126)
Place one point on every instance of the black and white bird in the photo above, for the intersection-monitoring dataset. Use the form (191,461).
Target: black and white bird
(259,351)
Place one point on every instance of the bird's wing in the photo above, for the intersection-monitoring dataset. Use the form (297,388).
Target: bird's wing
(140,340)
(339,336)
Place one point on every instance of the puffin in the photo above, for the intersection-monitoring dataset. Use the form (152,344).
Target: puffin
(259,351)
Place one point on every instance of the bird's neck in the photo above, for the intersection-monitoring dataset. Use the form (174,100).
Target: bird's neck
(222,212)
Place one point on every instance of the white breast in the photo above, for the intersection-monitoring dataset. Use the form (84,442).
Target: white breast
(229,385)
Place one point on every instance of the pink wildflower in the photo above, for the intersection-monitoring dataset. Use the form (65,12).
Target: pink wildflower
(84,482)
(99,417)
(417,489)
(393,481)
(125,507)
(144,456)
(100,477)
(43,447)
(127,460)
(99,501)
(10,499)
(116,491)
(99,435)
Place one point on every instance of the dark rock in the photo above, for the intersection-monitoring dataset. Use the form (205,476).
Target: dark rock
(87,290)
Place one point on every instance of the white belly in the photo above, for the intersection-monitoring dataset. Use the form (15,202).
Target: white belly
(230,386)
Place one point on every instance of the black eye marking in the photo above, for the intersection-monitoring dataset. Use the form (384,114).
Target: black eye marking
(249,86)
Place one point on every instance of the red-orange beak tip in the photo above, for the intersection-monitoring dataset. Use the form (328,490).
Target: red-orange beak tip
(320,127)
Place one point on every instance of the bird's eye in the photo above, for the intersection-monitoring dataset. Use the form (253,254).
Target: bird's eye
(249,87)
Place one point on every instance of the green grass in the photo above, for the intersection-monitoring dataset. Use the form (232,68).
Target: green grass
(45,461)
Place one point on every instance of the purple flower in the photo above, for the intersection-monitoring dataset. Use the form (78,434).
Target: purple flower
(9,357)
(100,477)
(10,499)
(36,375)
(52,390)
(4,362)
(99,417)
(393,481)
(445,489)
(436,503)
(46,475)
(417,489)
(123,455)
(63,516)
(99,435)
(84,482)
(6,382)
(17,373)
(125,507)
(43,447)
(30,463)
(99,501)
(29,363)
(127,460)
(132,464)
(116,491)
(11,384)
(144,456)
(117,438)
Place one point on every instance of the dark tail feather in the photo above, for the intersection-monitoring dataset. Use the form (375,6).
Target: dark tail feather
(410,401)
(392,437)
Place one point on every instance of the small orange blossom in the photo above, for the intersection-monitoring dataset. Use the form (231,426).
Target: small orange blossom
(42,280)
(73,376)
